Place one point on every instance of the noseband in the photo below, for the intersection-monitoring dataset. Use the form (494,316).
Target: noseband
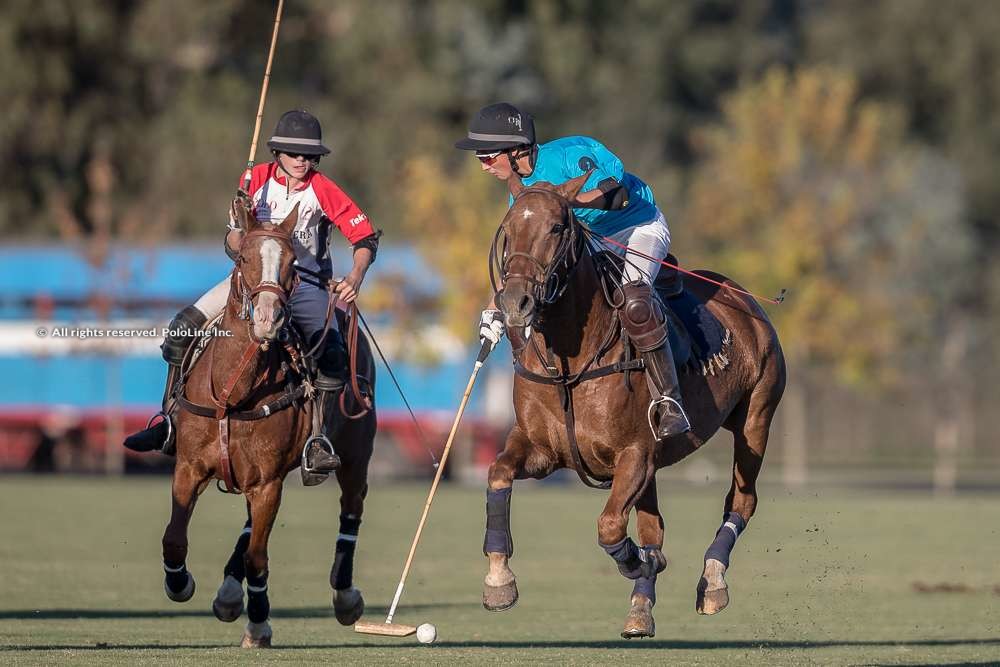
(550,281)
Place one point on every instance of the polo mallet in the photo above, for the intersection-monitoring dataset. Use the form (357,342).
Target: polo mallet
(245,187)
(398,629)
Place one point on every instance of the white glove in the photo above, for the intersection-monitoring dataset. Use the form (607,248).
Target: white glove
(491,327)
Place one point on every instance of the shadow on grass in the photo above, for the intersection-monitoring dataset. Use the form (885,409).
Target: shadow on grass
(195,612)
(557,644)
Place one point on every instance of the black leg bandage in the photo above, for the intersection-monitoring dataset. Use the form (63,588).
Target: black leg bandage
(236,567)
(176,577)
(258,606)
(342,573)
(498,539)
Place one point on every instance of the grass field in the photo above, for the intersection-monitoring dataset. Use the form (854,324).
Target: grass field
(820,577)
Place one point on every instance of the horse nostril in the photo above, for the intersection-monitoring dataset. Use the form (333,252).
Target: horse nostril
(527,302)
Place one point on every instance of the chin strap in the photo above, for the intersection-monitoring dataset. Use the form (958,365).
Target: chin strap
(532,159)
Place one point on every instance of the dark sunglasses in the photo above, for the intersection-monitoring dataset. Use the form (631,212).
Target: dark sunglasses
(300,155)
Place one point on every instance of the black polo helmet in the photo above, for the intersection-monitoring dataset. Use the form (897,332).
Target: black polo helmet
(498,127)
(298,132)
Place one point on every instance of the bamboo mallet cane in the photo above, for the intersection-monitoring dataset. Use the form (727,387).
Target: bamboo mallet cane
(263,95)
(398,629)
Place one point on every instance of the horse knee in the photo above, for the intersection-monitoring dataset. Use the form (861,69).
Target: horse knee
(501,474)
(611,528)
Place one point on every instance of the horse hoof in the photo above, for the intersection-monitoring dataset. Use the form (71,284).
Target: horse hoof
(712,602)
(713,593)
(185,594)
(500,598)
(639,622)
(228,603)
(257,635)
(348,605)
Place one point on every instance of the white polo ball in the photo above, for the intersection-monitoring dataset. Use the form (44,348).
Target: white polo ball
(426,633)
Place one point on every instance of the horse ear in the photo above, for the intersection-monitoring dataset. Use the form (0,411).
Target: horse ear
(288,224)
(243,217)
(515,185)
(571,188)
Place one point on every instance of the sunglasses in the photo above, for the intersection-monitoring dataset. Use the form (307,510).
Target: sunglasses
(488,158)
(295,156)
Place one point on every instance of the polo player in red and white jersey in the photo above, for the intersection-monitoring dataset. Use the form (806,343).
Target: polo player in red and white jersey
(275,189)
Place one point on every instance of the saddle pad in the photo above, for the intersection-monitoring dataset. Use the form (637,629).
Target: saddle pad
(707,338)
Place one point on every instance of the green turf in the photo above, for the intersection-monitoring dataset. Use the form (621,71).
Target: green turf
(819,578)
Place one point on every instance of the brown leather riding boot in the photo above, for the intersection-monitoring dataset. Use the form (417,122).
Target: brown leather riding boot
(643,319)
(667,406)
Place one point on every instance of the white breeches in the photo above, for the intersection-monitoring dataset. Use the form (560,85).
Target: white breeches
(651,238)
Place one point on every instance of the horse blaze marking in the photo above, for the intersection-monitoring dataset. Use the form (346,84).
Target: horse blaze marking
(528,213)
(270,254)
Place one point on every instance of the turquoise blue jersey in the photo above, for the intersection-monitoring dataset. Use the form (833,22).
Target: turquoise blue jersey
(564,159)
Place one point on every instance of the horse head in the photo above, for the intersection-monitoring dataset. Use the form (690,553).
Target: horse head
(265,273)
(536,248)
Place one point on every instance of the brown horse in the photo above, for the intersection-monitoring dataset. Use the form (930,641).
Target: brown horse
(245,420)
(575,408)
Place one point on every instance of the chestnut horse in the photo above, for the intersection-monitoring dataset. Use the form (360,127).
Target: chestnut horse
(574,408)
(246,417)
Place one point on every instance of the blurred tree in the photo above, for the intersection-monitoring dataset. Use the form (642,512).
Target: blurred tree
(453,218)
(808,187)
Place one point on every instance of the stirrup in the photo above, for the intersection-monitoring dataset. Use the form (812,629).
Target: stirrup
(656,403)
(310,475)
(170,426)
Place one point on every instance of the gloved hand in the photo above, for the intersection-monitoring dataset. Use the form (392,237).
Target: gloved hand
(491,327)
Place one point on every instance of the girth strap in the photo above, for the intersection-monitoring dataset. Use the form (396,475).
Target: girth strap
(282,402)
(561,380)
(566,383)
(224,463)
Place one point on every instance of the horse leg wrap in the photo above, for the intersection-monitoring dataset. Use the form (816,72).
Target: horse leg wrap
(633,562)
(646,586)
(725,538)
(258,606)
(342,574)
(236,567)
(176,577)
(498,539)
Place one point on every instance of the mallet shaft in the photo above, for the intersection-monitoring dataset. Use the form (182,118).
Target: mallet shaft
(437,478)
(263,96)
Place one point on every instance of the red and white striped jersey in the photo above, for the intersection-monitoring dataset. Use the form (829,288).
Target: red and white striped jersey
(318,197)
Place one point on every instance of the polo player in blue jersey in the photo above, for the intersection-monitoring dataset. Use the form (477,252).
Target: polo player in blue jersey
(612,203)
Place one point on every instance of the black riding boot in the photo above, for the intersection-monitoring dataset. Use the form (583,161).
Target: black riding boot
(660,367)
(643,319)
(180,335)
(158,436)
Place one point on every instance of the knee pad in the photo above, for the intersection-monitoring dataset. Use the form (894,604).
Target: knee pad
(180,333)
(642,316)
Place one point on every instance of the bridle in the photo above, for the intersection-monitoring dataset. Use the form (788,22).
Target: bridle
(548,281)
(246,294)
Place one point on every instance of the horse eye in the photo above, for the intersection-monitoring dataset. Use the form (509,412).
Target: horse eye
(558,228)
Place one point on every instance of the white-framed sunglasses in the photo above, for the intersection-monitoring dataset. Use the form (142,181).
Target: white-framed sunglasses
(488,157)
